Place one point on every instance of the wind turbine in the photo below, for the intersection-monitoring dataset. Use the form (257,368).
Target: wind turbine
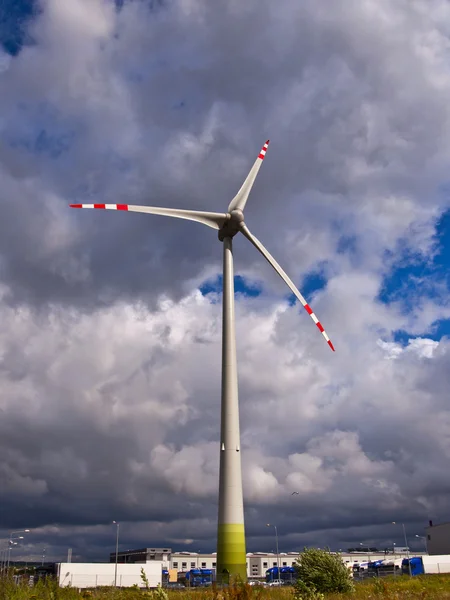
(231,555)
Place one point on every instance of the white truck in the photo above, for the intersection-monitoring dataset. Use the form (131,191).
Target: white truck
(420,565)
(88,575)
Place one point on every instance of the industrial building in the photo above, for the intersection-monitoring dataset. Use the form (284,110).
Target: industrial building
(257,562)
(438,538)
(160,563)
(142,555)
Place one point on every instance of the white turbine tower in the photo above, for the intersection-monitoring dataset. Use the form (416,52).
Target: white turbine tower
(231,555)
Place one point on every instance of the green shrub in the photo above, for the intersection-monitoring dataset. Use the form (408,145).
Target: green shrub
(303,592)
(321,572)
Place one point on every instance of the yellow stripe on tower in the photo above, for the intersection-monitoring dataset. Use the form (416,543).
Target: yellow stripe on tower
(231,553)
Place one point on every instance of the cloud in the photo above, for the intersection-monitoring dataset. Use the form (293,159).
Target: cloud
(109,353)
(94,427)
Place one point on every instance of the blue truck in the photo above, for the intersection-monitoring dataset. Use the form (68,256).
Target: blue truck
(424,565)
(199,577)
(286,574)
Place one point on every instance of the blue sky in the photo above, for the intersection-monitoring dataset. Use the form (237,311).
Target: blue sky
(415,278)
(14,18)
(311,283)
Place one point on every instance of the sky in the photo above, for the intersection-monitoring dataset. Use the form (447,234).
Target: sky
(110,323)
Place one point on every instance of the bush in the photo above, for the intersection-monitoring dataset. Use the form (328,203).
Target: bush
(303,592)
(321,572)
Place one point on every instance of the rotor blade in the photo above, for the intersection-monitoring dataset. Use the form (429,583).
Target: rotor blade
(214,220)
(240,200)
(270,259)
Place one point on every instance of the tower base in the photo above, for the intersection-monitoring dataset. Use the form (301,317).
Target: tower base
(231,556)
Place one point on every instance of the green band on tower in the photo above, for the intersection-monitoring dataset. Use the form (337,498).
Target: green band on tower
(231,555)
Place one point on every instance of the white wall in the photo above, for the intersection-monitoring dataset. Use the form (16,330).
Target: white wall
(437,563)
(83,575)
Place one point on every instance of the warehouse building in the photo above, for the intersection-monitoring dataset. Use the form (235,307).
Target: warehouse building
(257,562)
(438,538)
(142,555)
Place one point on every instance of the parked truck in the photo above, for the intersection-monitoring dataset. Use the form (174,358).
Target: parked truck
(286,574)
(424,565)
(199,577)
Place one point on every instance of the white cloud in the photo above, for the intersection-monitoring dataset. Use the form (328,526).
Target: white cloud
(424,348)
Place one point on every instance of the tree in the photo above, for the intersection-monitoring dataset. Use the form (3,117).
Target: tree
(322,572)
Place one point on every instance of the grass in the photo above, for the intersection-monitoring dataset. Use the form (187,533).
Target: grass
(425,587)
(431,587)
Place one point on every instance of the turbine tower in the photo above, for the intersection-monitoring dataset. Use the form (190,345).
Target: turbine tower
(231,554)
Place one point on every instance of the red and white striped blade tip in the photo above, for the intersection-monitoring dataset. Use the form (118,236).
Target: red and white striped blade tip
(264,150)
(319,325)
(101,206)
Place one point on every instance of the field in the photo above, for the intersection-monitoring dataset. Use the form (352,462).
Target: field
(431,587)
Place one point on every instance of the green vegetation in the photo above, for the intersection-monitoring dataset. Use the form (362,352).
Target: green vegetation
(319,572)
(426,587)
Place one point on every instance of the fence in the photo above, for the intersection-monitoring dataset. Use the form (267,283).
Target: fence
(359,575)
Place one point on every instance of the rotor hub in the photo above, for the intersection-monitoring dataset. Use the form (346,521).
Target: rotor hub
(232,226)
(237,215)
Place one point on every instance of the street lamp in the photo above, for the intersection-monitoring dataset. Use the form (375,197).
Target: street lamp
(19,531)
(11,542)
(11,538)
(404,535)
(4,557)
(278,553)
(368,553)
(422,537)
(406,546)
(117,551)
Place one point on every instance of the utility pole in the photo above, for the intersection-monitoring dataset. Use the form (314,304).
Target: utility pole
(406,546)
(278,553)
(117,551)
